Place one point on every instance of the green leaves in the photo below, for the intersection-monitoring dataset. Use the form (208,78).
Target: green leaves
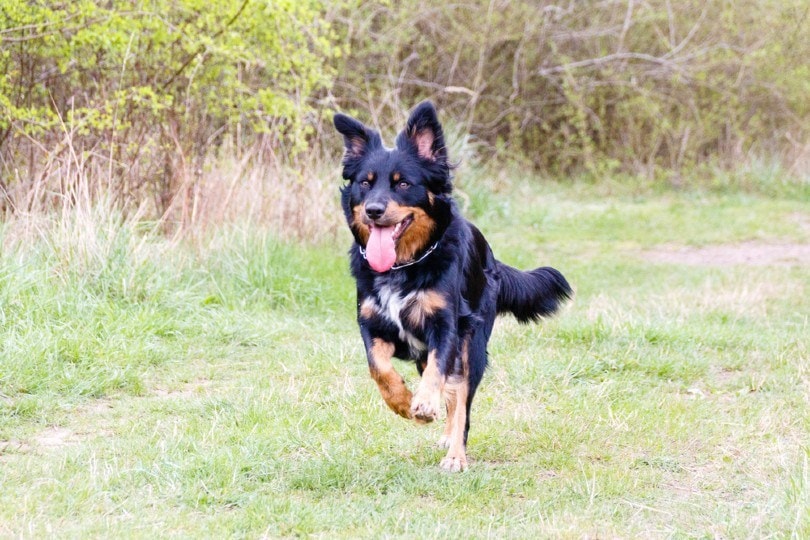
(163,74)
(655,85)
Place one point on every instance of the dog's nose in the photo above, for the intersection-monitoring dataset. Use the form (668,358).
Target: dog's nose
(375,210)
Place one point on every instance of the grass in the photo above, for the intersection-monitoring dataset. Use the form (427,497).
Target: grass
(150,388)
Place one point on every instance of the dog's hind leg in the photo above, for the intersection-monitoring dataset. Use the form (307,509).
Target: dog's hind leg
(391,385)
(450,400)
(456,458)
(476,364)
(454,437)
(456,377)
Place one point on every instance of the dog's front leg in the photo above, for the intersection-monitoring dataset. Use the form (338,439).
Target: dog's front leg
(441,346)
(427,399)
(391,385)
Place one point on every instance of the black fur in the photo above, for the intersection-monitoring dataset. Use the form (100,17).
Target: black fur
(467,287)
(530,295)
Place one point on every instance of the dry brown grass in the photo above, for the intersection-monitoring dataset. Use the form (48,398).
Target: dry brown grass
(296,202)
(72,194)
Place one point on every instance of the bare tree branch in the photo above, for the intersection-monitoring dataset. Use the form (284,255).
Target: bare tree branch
(591,62)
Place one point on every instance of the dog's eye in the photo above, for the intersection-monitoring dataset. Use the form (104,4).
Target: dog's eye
(367,180)
(403,185)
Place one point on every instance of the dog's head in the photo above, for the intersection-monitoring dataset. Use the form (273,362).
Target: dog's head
(397,199)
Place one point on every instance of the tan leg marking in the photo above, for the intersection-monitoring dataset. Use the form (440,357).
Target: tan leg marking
(450,401)
(392,386)
(456,458)
(426,401)
(456,393)
(368,309)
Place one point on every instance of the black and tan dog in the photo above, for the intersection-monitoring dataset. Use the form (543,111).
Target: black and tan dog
(428,286)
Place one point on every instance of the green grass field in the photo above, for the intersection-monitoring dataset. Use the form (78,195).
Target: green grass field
(158,389)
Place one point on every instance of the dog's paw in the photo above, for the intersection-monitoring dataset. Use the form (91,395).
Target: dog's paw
(404,411)
(425,407)
(443,442)
(454,463)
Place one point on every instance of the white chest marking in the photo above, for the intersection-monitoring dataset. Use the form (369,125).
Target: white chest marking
(391,304)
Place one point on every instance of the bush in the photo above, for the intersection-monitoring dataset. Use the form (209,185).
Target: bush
(180,105)
(138,95)
(598,86)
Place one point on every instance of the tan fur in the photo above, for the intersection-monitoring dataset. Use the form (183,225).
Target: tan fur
(456,458)
(359,224)
(456,392)
(450,399)
(412,241)
(416,236)
(424,305)
(425,403)
(368,309)
(391,385)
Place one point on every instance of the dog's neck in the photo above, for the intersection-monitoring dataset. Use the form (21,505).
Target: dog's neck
(415,260)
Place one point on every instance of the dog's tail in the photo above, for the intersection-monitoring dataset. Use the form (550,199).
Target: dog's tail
(531,295)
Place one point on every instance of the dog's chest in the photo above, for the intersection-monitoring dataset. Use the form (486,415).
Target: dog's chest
(392,306)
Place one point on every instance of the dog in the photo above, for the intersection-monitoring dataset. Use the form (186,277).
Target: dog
(428,285)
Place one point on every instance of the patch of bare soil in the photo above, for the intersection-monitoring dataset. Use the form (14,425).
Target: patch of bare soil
(741,254)
(51,438)
(54,437)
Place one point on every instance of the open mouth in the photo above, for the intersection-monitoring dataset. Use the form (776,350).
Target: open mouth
(381,252)
(400,227)
(394,231)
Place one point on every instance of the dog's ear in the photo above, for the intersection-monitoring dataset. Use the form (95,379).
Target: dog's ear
(423,132)
(424,137)
(357,137)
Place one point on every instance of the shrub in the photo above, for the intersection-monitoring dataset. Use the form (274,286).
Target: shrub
(139,94)
(595,85)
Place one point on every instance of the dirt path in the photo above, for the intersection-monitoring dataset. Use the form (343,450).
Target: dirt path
(741,254)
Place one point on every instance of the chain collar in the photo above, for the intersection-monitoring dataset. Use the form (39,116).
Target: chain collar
(430,250)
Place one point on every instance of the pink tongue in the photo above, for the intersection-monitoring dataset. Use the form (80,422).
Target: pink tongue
(380,250)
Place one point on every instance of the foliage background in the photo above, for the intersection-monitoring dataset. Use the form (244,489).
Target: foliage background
(628,85)
(143,93)
(184,108)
